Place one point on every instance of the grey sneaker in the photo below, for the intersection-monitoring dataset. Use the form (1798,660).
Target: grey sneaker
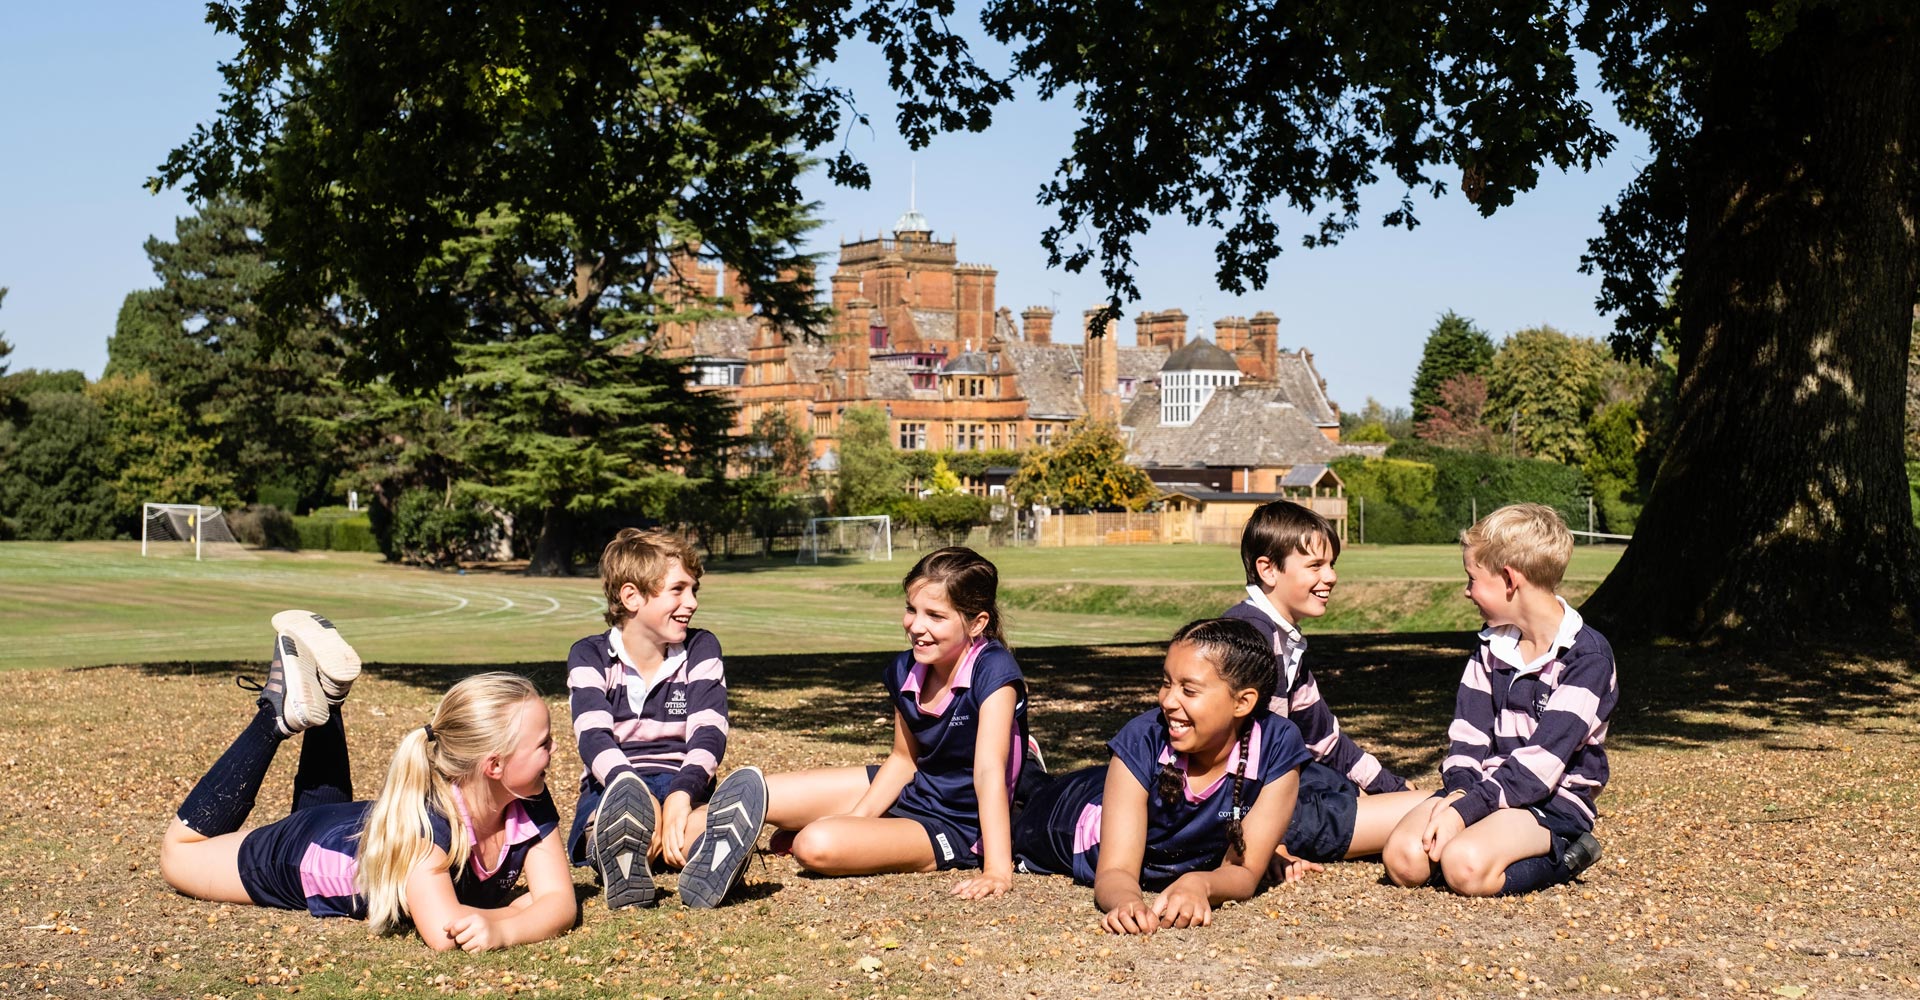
(292,688)
(1581,854)
(622,836)
(335,661)
(734,818)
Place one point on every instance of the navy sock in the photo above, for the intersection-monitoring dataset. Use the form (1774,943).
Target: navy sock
(1529,874)
(222,800)
(325,775)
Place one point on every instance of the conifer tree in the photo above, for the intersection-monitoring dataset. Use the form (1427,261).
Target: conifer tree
(1455,346)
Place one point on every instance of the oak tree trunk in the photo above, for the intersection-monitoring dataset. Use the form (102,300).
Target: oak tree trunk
(1781,505)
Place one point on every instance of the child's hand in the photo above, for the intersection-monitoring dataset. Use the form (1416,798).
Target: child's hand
(1131,918)
(1184,904)
(473,932)
(1445,825)
(983,886)
(673,828)
(1287,868)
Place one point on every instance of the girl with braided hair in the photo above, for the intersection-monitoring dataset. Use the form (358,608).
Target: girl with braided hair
(1194,800)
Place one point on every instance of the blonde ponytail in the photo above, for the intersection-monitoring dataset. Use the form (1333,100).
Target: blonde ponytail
(477,718)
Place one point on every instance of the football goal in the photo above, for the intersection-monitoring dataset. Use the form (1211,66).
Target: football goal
(168,528)
(870,537)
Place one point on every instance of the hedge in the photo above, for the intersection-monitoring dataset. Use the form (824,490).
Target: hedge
(339,534)
(1464,484)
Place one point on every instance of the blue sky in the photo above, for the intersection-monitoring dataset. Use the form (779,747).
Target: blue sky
(94,94)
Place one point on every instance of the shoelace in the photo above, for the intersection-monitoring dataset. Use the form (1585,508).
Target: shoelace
(245,683)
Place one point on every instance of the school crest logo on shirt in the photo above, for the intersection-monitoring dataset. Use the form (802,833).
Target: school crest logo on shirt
(959,719)
(677,701)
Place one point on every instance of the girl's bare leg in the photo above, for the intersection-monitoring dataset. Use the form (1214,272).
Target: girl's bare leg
(203,867)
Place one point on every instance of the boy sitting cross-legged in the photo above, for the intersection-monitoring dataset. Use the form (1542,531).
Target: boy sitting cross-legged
(649,704)
(1348,803)
(1527,757)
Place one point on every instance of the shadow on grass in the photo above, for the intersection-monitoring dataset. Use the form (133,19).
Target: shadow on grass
(1401,684)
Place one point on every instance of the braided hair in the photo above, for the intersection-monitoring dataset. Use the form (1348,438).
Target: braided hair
(1245,660)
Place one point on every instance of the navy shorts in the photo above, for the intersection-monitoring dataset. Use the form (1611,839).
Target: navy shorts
(953,845)
(657,782)
(269,857)
(1324,814)
(1562,830)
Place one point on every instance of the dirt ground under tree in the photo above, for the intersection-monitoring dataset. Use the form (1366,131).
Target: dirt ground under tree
(1759,831)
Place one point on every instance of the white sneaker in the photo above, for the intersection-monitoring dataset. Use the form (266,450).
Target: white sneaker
(292,688)
(334,661)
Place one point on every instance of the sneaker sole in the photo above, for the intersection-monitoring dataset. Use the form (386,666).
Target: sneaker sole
(335,661)
(735,817)
(302,704)
(622,836)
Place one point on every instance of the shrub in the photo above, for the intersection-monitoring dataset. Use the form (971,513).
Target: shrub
(435,530)
(316,533)
(354,534)
(950,515)
(284,497)
(265,527)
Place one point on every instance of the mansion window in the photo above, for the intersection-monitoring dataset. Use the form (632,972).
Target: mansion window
(969,388)
(969,437)
(1043,435)
(922,380)
(913,437)
(823,425)
(996,437)
(1013,437)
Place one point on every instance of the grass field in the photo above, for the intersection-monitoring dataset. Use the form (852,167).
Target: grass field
(90,604)
(1758,828)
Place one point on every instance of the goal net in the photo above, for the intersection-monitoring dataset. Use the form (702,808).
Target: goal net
(180,528)
(868,537)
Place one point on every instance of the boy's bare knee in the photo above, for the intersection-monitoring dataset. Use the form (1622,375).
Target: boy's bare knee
(1470,871)
(816,850)
(1406,866)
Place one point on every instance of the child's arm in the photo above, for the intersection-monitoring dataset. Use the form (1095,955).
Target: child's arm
(1575,713)
(1190,900)
(1320,729)
(990,750)
(706,742)
(445,923)
(590,701)
(894,773)
(1123,850)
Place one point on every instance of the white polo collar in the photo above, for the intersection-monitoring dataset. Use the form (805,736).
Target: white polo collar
(1503,641)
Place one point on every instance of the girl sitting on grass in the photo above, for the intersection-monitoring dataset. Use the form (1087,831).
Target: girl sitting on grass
(1194,800)
(480,765)
(942,798)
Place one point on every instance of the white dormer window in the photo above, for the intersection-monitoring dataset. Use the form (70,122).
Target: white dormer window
(1183,394)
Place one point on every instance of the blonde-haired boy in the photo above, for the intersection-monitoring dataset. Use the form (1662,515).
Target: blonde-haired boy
(649,704)
(1527,758)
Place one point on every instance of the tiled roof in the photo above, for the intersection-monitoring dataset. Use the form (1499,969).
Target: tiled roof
(1049,376)
(806,359)
(1241,425)
(1295,375)
(725,337)
(966,362)
(1303,475)
(1142,363)
(1200,355)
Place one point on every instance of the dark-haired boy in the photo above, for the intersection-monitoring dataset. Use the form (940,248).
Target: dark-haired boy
(1348,802)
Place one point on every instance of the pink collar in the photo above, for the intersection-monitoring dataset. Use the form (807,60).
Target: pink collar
(962,678)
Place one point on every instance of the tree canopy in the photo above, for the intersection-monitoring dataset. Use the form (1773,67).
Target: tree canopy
(1084,469)
(1781,189)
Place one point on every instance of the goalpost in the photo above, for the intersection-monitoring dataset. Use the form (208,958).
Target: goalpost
(871,535)
(204,526)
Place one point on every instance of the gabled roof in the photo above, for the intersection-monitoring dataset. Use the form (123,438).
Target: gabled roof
(1200,355)
(1303,475)
(1294,373)
(967,362)
(725,336)
(1049,376)
(1240,426)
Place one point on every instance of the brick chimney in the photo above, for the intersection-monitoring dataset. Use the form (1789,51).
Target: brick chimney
(1101,369)
(1230,333)
(1036,324)
(1265,336)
